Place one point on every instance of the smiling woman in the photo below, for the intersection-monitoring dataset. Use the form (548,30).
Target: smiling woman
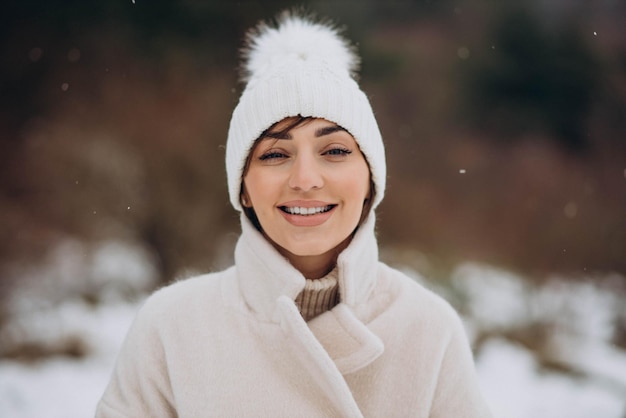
(308,322)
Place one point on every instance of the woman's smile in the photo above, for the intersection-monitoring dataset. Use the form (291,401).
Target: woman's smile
(307,213)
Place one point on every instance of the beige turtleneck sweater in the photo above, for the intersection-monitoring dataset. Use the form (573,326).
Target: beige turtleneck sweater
(318,296)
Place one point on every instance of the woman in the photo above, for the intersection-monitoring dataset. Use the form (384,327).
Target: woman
(307,322)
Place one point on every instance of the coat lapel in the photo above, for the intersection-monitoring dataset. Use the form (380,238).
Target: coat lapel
(347,340)
(316,360)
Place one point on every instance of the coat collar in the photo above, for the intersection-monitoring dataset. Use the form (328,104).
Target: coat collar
(334,343)
(264,275)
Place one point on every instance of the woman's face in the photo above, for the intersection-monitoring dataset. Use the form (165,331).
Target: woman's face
(307,187)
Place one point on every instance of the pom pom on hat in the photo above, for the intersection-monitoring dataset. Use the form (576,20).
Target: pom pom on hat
(300,67)
(296,38)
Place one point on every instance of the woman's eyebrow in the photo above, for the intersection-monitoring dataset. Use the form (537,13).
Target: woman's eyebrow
(277,135)
(324,130)
(327,130)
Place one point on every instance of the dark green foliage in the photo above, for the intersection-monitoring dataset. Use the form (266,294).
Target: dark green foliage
(533,80)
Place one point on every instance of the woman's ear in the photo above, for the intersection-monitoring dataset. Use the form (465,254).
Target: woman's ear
(244,199)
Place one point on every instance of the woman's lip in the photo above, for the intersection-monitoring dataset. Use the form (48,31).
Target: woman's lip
(308,220)
(305,204)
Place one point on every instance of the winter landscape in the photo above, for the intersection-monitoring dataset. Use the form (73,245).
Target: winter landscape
(504,131)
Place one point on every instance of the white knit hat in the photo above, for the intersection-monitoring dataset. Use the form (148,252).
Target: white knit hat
(305,68)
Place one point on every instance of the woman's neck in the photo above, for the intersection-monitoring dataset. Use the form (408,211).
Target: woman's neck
(315,267)
(312,267)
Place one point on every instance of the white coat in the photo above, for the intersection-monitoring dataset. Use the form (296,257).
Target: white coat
(233,344)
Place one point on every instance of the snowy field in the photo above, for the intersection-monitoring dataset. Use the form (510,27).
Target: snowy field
(572,370)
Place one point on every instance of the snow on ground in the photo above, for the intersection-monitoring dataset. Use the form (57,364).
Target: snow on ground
(512,377)
(65,387)
(58,388)
(516,388)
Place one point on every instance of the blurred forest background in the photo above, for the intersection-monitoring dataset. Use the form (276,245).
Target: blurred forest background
(504,123)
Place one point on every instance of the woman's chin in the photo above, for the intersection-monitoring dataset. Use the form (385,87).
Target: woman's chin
(313,249)
(306,251)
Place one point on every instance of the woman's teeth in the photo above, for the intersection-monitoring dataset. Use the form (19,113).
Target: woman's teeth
(296,210)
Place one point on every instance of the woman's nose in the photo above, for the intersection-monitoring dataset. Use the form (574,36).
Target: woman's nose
(305,174)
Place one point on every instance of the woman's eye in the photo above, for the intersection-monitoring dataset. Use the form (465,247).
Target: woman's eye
(338,152)
(272,155)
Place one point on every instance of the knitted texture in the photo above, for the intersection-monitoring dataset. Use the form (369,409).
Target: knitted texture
(305,68)
(318,296)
